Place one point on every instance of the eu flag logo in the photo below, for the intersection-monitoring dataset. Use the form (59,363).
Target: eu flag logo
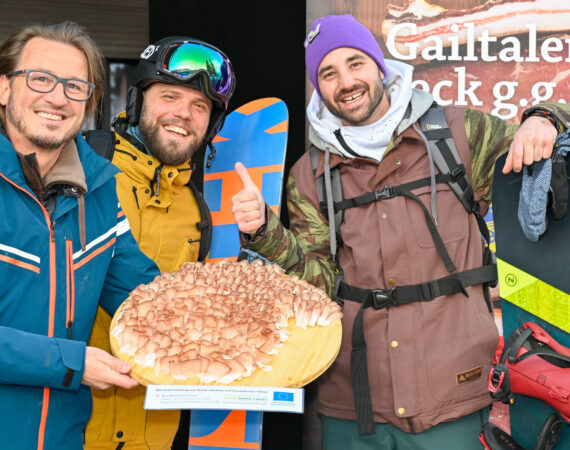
(283,396)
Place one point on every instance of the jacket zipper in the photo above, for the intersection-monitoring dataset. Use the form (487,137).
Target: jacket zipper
(70,280)
(52,292)
(342,142)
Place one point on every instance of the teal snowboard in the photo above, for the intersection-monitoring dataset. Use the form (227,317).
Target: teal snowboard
(256,135)
(534,285)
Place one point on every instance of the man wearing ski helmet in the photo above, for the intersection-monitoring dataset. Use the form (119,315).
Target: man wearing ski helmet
(175,106)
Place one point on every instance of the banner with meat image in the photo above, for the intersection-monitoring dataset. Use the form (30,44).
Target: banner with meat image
(499,56)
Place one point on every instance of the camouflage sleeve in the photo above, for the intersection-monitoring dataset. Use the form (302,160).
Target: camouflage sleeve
(304,250)
(489,137)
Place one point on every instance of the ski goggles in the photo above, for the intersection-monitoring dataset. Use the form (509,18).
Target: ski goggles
(186,60)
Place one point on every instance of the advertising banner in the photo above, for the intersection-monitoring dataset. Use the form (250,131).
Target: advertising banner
(498,56)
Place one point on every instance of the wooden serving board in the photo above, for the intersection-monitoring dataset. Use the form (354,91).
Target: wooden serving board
(300,360)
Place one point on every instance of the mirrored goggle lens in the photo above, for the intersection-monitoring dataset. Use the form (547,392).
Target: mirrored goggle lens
(183,61)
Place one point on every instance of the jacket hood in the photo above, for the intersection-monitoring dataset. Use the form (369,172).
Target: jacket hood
(371,141)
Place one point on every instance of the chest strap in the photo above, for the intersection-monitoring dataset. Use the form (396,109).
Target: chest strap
(396,296)
(403,189)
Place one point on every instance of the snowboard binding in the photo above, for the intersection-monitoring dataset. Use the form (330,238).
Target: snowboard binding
(494,438)
(533,363)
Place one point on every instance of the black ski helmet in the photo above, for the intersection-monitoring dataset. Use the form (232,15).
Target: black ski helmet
(184,61)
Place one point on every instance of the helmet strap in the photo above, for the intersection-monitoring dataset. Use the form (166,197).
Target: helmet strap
(211,155)
(134,105)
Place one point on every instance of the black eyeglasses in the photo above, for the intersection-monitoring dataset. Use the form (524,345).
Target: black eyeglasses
(44,82)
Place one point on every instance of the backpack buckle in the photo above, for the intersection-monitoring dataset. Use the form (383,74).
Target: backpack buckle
(385,193)
(382,298)
(457,171)
(496,377)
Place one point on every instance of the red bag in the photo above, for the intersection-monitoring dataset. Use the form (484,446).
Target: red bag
(533,363)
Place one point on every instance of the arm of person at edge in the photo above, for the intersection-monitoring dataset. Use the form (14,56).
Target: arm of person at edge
(489,137)
(302,250)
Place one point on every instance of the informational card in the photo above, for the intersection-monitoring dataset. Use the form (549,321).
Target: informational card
(224,397)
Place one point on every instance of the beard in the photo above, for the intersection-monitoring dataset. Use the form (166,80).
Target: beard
(356,118)
(14,116)
(169,153)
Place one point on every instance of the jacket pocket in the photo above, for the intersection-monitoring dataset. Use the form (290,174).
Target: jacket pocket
(458,355)
(452,217)
(188,252)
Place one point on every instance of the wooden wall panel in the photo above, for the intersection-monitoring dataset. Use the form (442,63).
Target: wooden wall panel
(119,27)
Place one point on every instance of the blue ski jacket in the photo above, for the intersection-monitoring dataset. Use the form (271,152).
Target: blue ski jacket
(50,286)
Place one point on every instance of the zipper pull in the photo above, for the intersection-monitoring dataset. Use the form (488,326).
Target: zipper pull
(136,197)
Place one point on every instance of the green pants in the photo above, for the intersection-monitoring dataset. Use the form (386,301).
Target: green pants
(462,434)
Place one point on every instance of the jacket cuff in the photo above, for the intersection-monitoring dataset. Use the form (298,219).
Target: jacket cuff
(267,242)
(257,236)
(73,359)
(555,112)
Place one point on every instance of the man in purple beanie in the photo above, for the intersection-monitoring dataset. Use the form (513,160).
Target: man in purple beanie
(396,241)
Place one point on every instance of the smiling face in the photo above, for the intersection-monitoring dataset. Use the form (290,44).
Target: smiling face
(37,122)
(351,86)
(174,120)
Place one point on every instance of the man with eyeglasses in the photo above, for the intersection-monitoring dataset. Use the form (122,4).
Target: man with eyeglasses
(175,106)
(65,245)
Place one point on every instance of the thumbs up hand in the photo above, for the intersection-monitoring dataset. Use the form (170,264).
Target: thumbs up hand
(248,205)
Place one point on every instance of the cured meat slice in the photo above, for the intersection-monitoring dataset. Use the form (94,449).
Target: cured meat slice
(495,17)
(218,322)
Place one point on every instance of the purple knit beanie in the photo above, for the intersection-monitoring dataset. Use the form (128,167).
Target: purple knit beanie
(332,32)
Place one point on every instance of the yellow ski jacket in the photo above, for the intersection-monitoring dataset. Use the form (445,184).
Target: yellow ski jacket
(163,214)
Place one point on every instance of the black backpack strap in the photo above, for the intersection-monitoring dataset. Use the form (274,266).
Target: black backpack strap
(102,141)
(436,129)
(421,292)
(337,192)
(438,136)
(337,217)
(205,225)
(403,189)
